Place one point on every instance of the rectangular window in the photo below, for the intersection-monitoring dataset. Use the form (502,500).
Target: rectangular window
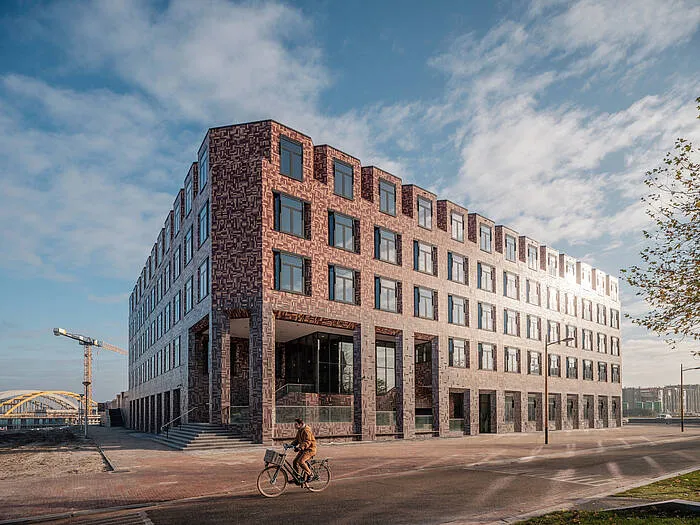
(485,274)
(486,356)
(385,245)
(457,355)
(587,370)
(204,223)
(613,291)
(289,272)
(457,310)
(341,284)
(552,298)
(423,299)
(587,336)
(614,318)
(291,158)
(570,302)
(456,268)
(385,294)
(203,167)
(486,317)
(342,179)
(532,257)
(615,373)
(166,236)
(553,331)
(532,292)
(189,295)
(554,365)
(600,314)
(341,229)
(552,265)
(189,247)
(602,343)
(535,364)
(570,269)
(177,263)
(188,197)
(511,249)
(602,372)
(571,368)
(614,346)
(335,366)
(587,308)
(176,218)
(167,317)
(510,285)
(289,215)
(387,197)
(457,220)
(509,408)
(386,367)
(512,357)
(485,237)
(423,352)
(571,334)
(203,279)
(423,257)
(510,322)
(177,311)
(532,407)
(425,213)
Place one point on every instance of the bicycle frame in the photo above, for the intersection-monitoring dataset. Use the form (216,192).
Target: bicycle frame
(288,467)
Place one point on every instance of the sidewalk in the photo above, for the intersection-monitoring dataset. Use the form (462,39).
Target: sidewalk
(148,472)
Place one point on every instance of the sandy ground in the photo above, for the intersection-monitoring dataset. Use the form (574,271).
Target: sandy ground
(48,453)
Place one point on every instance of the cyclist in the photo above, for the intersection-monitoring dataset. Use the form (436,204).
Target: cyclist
(305,445)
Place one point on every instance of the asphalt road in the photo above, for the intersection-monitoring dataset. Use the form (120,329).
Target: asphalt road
(458,494)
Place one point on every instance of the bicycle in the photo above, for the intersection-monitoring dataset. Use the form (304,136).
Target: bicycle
(273,479)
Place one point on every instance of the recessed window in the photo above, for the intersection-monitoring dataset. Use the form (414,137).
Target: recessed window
(387,197)
(341,231)
(423,257)
(204,223)
(457,220)
(425,213)
(511,324)
(341,284)
(457,310)
(587,336)
(487,356)
(386,294)
(456,268)
(203,279)
(553,331)
(423,302)
(614,318)
(614,373)
(203,166)
(600,314)
(532,257)
(386,367)
(385,245)
(587,370)
(614,346)
(342,179)
(177,311)
(571,334)
(487,313)
(508,408)
(189,246)
(176,218)
(602,372)
(291,156)
(552,298)
(570,270)
(485,274)
(512,359)
(166,236)
(532,407)
(510,285)
(535,363)
(533,327)
(571,368)
(552,265)
(532,292)
(189,295)
(188,197)
(510,248)
(289,215)
(457,354)
(602,343)
(423,352)
(289,272)
(554,365)
(177,262)
(485,237)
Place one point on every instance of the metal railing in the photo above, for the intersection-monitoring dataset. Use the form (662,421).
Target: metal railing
(238,415)
(166,426)
(424,422)
(314,414)
(288,388)
(386,418)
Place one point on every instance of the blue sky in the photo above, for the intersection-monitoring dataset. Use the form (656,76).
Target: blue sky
(542,115)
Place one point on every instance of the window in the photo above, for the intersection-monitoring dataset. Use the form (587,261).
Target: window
(423,302)
(533,327)
(614,318)
(291,158)
(509,408)
(613,291)
(386,367)
(552,265)
(511,249)
(177,263)
(486,317)
(188,246)
(599,283)
(532,257)
(552,411)
(188,197)
(587,310)
(423,257)
(457,220)
(203,169)
(203,279)
(532,292)
(423,352)
(289,215)
(166,236)
(570,270)
(457,355)
(587,339)
(552,298)
(587,370)
(289,272)
(602,372)
(571,368)
(335,365)
(511,323)
(571,334)
(553,332)
(570,304)
(532,407)
(602,343)
(485,237)
(510,285)
(614,373)
(189,298)
(425,213)
(177,312)
(535,365)
(554,365)
(167,317)
(456,268)
(484,276)
(385,294)
(512,358)
(341,231)
(387,197)
(204,223)
(457,310)
(176,218)
(342,179)
(385,245)
(600,314)
(341,284)
(614,346)
(486,356)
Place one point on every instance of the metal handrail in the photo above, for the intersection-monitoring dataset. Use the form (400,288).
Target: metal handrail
(166,426)
(285,387)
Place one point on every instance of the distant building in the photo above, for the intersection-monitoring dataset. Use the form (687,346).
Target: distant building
(648,401)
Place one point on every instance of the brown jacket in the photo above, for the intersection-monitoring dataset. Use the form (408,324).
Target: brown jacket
(305,440)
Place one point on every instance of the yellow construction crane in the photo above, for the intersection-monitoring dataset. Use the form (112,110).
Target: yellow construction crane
(87,343)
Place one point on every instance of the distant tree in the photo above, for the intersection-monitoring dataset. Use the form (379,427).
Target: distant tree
(669,276)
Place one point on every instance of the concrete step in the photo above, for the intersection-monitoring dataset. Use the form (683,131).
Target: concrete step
(197,445)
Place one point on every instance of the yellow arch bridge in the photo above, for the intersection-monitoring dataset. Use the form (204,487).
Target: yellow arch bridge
(40,408)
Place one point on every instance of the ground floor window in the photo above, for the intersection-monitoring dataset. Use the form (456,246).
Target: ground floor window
(532,407)
(386,367)
(509,412)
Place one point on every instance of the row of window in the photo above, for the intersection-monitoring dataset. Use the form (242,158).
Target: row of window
(534,412)
(166,359)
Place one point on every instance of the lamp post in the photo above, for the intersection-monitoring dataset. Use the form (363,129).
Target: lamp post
(546,384)
(684,370)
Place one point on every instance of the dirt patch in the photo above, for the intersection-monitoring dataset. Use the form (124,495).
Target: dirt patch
(47,453)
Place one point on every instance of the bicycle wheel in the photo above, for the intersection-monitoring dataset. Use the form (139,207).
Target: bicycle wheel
(323,473)
(272,481)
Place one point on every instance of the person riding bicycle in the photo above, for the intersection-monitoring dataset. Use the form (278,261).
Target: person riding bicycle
(305,445)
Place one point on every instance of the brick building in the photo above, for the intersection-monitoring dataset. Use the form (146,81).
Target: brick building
(289,280)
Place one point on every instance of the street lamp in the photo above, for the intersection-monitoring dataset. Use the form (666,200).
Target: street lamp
(546,384)
(684,370)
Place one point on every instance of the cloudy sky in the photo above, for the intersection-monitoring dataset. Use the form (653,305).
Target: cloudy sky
(542,115)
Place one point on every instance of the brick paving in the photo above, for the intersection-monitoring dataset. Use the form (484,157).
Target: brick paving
(149,472)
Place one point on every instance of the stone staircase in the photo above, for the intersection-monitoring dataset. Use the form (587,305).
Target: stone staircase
(201,436)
